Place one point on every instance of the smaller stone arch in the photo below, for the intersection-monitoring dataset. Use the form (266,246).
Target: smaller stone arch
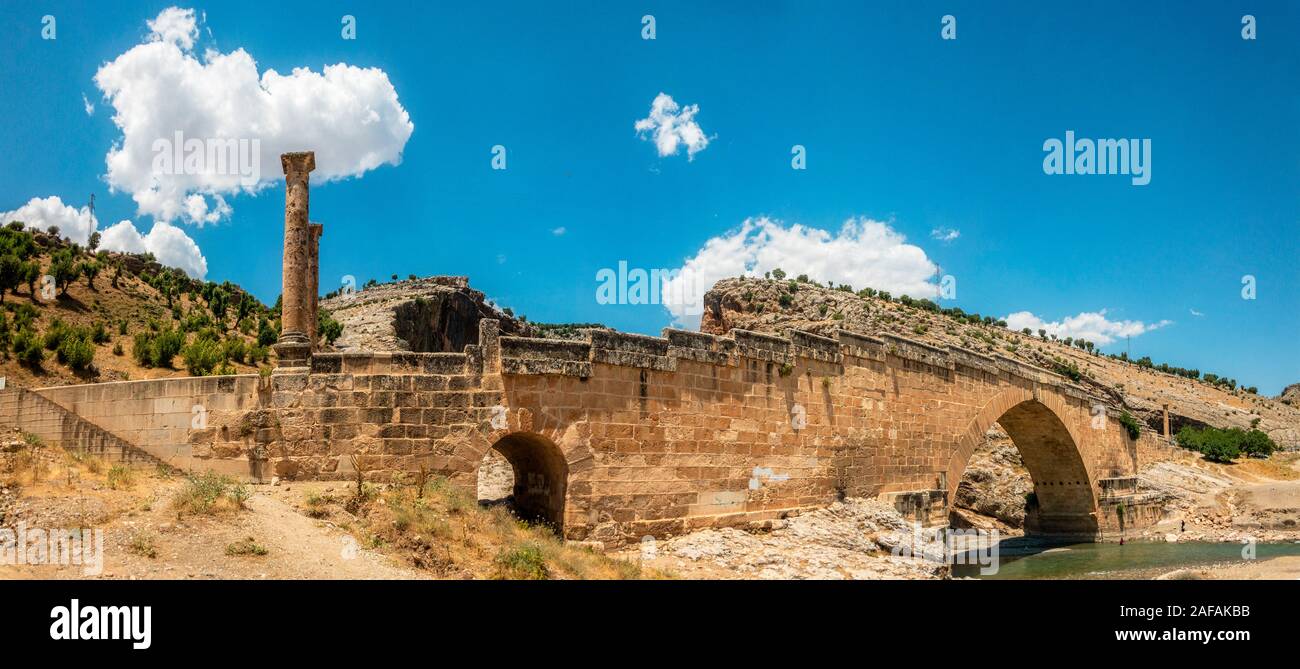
(541,476)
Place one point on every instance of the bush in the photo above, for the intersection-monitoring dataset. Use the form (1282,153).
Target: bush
(1130,424)
(141,349)
(120,477)
(247,546)
(1067,369)
(201,357)
(266,334)
(326,327)
(234,350)
(142,544)
(209,493)
(525,562)
(168,345)
(157,349)
(76,352)
(258,354)
(28,348)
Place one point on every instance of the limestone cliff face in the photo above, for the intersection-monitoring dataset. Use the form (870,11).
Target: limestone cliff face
(1290,395)
(432,315)
(778,306)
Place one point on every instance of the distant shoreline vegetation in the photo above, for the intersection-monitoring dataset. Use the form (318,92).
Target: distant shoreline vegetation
(1224,446)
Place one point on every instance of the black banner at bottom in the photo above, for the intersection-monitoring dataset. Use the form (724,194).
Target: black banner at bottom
(297,619)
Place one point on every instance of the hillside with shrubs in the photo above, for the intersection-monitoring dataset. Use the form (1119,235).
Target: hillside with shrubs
(79,314)
(1139,386)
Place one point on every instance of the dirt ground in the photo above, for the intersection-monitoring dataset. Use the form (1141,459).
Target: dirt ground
(140,519)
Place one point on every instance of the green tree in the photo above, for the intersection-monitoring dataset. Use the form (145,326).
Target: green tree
(326,327)
(31,274)
(90,269)
(11,274)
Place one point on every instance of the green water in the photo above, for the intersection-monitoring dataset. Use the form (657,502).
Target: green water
(1021,558)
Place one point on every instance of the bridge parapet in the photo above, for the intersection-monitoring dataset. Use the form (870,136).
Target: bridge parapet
(699,346)
(862,346)
(815,347)
(524,355)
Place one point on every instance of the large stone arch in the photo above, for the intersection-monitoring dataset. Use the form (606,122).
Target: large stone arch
(1051,449)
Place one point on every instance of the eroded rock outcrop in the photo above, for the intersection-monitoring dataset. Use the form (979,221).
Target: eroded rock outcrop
(437,314)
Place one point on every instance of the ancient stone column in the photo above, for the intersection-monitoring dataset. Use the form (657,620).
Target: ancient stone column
(294,346)
(313,278)
(1166,410)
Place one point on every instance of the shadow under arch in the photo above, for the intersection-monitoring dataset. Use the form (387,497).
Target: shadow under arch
(1065,503)
(541,476)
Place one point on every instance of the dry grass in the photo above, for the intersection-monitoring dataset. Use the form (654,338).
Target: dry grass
(120,477)
(443,529)
(246,546)
(209,494)
(142,543)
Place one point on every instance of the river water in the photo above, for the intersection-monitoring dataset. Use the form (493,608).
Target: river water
(1021,558)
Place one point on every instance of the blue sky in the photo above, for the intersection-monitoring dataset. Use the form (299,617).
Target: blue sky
(900,127)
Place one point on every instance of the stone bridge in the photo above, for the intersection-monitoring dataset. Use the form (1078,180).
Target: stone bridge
(619,436)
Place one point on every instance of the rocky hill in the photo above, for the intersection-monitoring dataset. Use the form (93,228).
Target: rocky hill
(767,305)
(1290,395)
(425,315)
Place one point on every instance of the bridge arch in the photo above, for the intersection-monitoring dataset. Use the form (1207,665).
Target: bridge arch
(541,476)
(1052,451)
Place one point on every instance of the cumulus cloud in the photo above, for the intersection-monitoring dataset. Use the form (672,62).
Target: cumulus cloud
(174,26)
(87,105)
(1090,325)
(1196,313)
(169,244)
(172,105)
(945,234)
(559,231)
(45,213)
(669,125)
(864,253)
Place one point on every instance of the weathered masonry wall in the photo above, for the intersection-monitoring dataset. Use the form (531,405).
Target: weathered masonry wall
(34,414)
(621,435)
(169,418)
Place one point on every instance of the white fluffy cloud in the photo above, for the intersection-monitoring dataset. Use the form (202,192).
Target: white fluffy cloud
(864,253)
(162,91)
(1090,325)
(671,125)
(45,213)
(169,244)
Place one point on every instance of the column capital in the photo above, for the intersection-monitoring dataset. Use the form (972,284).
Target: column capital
(299,163)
